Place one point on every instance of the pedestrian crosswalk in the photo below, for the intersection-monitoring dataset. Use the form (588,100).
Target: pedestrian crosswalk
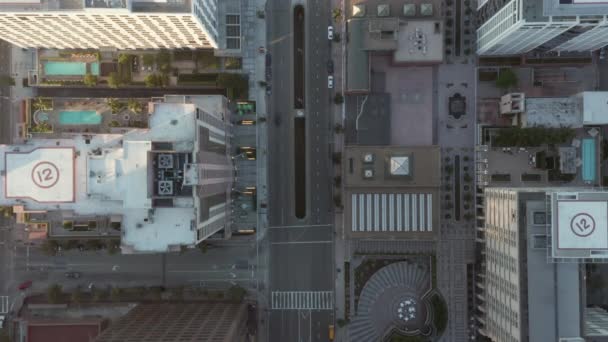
(4,304)
(302,300)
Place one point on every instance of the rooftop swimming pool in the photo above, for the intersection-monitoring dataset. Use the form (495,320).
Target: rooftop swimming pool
(589,153)
(55,68)
(82,117)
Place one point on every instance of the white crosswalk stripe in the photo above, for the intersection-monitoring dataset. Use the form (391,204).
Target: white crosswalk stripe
(302,300)
(3,304)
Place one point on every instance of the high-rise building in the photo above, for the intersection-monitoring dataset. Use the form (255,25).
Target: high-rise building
(531,283)
(164,186)
(120,24)
(520,26)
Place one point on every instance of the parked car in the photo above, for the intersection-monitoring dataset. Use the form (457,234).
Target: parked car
(246,122)
(330,66)
(330,32)
(25,285)
(72,275)
(330,81)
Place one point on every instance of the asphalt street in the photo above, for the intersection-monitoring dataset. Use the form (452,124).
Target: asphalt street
(301,250)
(222,266)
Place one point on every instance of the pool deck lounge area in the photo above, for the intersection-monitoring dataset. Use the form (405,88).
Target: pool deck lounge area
(88,115)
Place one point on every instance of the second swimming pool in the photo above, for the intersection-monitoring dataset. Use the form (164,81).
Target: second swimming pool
(82,117)
(588,154)
(56,68)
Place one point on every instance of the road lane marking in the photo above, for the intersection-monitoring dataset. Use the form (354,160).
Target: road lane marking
(4,307)
(300,242)
(302,300)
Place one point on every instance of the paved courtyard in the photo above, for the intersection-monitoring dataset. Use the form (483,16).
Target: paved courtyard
(411,90)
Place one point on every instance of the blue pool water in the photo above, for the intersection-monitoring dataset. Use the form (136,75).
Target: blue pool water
(83,117)
(95,68)
(52,68)
(588,152)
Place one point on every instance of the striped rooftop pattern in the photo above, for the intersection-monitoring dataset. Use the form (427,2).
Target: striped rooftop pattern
(392,212)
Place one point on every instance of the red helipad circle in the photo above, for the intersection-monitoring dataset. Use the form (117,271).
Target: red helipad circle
(45,174)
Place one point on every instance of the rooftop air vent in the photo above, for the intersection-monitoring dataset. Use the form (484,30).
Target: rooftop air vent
(165,161)
(165,188)
(368,173)
(368,158)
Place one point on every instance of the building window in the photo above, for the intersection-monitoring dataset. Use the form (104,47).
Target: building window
(539,217)
(233,31)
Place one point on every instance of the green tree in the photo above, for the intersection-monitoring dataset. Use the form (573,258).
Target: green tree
(54,294)
(177,293)
(203,247)
(116,294)
(113,80)
(49,247)
(237,82)
(338,98)
(76,295)
(98,295)
(236,293)
(93,244)
(163,60)
(90,80)
(41,103)
(150,80)
(113,246)
(124,58)
(134,106)
(6,81)
(148,60)
(336,13)
(156,292)
(506,79)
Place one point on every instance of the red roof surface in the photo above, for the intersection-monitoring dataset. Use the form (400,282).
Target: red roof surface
(58,332)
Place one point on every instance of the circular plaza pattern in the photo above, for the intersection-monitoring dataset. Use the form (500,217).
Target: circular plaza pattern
(393,299)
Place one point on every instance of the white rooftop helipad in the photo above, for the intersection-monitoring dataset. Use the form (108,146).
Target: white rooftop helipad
(44,174)
(582,225)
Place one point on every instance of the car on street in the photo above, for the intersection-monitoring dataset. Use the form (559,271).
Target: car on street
(330,66)
(72,275)
(248,152)
(25,285)
(330,32)
(246,122)
(330,81)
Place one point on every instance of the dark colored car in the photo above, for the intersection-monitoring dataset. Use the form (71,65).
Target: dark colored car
(72,275)
(25,285)
(268,60)
(330,66)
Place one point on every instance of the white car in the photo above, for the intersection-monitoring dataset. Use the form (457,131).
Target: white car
(330,81)
(2,317)
(330,32)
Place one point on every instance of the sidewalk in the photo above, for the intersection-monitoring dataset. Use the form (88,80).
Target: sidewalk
(257,72)
(340,250)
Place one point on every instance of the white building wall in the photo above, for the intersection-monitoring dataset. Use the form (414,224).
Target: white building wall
(117,29)
(502,274)
(507,33)
(591,40)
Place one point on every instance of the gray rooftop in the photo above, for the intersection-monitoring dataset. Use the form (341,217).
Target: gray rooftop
(553,289)
(357,79)
(553,112)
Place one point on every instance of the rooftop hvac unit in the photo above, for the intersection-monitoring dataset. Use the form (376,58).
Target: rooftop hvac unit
(165,188)
(165,161)
(368,173)
(368,158)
